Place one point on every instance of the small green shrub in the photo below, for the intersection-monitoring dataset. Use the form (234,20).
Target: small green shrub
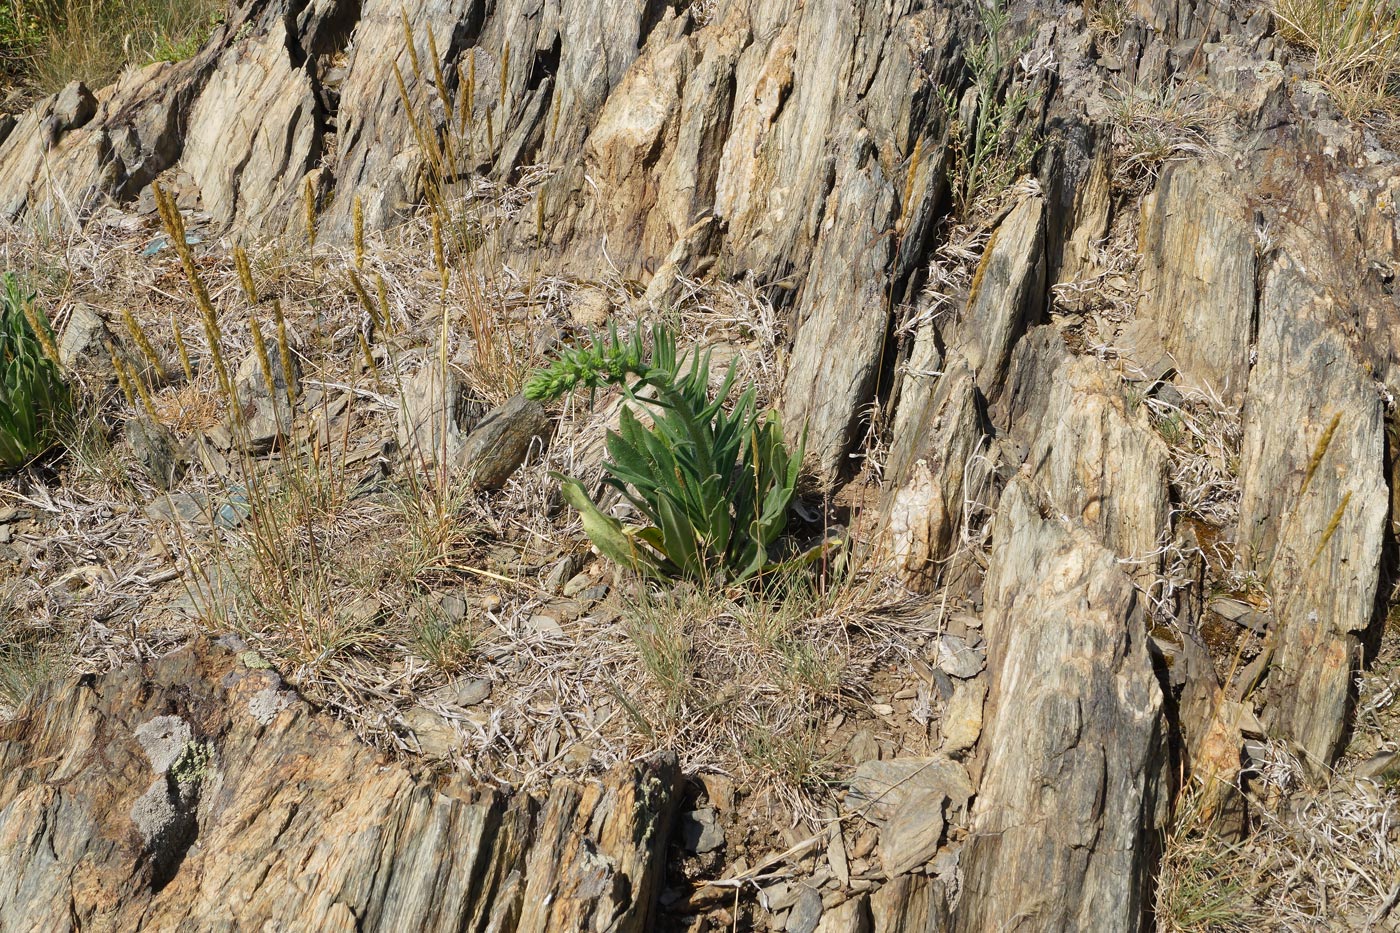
(33,396)
(990,147)
(715,484)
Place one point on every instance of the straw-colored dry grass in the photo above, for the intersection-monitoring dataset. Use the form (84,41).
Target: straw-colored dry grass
(1317,857)
(1355,46)
(342,573)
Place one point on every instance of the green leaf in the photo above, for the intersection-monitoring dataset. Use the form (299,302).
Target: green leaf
(604,531)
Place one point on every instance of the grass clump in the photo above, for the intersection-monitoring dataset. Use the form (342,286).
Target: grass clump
(44,44)
(1206,883)
(1355,46)
(716,485)
(34,398)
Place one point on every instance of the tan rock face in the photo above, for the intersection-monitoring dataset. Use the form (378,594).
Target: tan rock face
(253,135)
(1313,513)
(1074,726)
(774,141)
(1102,464)
(201,787)
(1197,239)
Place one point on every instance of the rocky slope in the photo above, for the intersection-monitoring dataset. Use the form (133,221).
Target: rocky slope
(1154,377)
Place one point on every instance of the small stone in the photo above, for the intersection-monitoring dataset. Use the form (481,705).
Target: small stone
(883,710)
(590,307)
(577,584)
(594,593)
(464,692)
(778,897)
(153,447)
(547,626)
(181,506)
(958,659)
(1380,768)
(863,747)
(267,415)
(454,608)
(962,719)
(806,912)
(879,788)
(562,572)
(577,755)
(720,789)
(74,106)
(502,440)
(83,346)
(436,736)
(701,831)
(565,610)
(428,404)
(913,832)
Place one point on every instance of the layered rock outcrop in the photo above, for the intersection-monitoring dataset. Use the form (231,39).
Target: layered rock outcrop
(804,147)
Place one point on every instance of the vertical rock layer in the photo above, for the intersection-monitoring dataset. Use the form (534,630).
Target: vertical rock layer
(1073,791)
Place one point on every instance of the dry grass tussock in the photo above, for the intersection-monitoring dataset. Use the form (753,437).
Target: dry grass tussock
(1155,126)
(44,44)
(1355,47)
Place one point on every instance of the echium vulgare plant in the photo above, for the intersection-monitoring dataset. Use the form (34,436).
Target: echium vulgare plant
(715,483)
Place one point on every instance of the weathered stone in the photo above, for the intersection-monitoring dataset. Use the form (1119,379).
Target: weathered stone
(806,912)
(880,789)
(957,658)
(937,437)
(252,135)
(1007,297)
(1198,275)
(840,333)
(1313,511)
(430,416)
(1101,463)
(265,417)
(464,692)
(434,734)
(913,832)
(961,724)
(909,902)
(701,831)
(73,108)
(1074,726)
(181,506)
(84,344)
(154,448)
(501,441)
